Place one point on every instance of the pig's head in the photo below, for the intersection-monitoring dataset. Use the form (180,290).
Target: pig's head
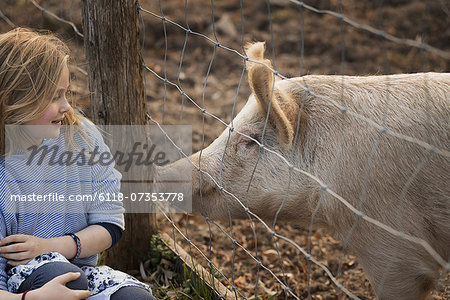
(255,175)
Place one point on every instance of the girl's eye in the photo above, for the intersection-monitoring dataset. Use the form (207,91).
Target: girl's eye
(61,94)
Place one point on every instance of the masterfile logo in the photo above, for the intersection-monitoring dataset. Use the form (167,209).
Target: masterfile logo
(43,166)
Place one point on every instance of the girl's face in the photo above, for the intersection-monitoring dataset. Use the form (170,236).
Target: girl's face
(50,120)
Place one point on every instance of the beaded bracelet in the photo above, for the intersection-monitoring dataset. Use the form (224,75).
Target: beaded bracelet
(78,243)
(23,295)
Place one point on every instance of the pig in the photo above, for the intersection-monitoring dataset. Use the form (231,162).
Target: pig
(393,168)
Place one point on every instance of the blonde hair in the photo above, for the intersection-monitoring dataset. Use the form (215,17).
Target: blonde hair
(31,64)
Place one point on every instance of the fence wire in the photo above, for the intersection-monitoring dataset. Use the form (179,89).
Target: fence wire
(382,130)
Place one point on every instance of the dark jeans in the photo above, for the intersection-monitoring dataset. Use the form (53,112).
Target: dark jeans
(47,272)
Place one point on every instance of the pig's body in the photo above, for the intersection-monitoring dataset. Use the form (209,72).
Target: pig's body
(397,182)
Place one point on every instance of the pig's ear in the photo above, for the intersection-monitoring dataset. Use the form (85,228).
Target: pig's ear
(261,81)
(255,51)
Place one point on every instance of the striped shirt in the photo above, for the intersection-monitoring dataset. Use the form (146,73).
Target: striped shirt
(49,200)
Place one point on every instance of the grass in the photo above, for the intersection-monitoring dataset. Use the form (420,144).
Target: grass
(171,278)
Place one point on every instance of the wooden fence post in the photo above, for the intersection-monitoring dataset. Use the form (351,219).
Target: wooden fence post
(111,39)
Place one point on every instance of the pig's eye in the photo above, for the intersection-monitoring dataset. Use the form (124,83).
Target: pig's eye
(254,136)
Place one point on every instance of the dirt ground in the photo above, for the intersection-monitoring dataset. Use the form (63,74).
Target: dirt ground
(329,47)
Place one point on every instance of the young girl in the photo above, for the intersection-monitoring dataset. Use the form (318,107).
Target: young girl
(49,242)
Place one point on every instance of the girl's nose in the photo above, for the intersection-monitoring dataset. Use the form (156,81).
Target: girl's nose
(64,105)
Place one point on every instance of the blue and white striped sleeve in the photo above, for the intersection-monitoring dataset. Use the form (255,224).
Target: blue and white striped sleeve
(105,181)
(3,276)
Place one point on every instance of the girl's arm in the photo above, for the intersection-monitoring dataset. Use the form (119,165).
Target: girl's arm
(55,289)
(94,239)
(9,296)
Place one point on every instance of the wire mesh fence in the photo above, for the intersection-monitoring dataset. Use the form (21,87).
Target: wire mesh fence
(195,64)
(219,39)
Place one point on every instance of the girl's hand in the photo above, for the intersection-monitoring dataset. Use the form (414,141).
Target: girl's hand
(19,249)
(56,289)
